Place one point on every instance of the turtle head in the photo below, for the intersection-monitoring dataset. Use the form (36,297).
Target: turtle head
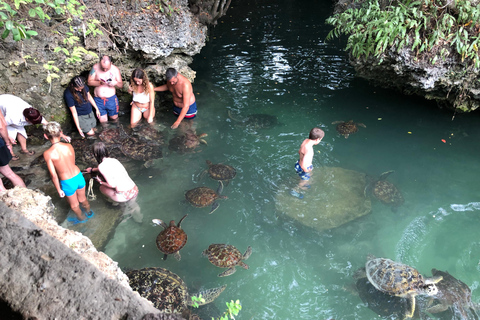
(172,223)
(431,289)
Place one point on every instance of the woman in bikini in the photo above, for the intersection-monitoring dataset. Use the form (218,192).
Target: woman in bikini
(143,97)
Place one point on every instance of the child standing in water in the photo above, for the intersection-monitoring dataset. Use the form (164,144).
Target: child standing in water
(304,165)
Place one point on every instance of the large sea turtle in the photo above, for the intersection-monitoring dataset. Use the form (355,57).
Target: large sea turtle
(347,128)
(166,290)
(227,256)
(147,132)
(221,172)
(453,295)
(113,135)
(186,142)
(385,191)
(171,239)
(256,121)
(137,149)
(399,280)
(383,304)
(203,196)
(83,152)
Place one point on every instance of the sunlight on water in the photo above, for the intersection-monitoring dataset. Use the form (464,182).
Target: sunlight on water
(271,59)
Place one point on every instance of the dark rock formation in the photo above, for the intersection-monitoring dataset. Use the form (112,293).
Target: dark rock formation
(451,82)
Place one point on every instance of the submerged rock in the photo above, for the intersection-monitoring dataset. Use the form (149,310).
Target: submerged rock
(336,196)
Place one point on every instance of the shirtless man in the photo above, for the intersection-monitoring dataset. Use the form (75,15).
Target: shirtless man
(104,76)
(5,157)
(184,102)
(304,165)
(66,176)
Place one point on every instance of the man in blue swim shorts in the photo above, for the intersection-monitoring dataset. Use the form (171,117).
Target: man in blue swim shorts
(185,106)
(66,176)
(105,77)
(304,165)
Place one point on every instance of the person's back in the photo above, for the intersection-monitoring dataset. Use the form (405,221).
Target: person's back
(62,156)
(116,174)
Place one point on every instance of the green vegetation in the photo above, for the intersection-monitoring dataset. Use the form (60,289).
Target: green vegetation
(233,308)
(432,30)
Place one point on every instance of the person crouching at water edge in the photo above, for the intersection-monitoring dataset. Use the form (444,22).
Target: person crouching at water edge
(66,176)
(143,98)
(116,183)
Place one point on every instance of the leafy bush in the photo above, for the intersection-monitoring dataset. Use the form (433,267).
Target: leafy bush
(430,30)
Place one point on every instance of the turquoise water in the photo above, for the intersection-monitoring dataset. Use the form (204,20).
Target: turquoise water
(270,58)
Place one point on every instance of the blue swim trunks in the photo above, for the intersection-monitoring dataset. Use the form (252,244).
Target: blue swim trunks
(191,113)
(107,106)
(302,174)
(70,186)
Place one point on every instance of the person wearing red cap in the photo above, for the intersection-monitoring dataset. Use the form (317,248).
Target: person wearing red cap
(18,114)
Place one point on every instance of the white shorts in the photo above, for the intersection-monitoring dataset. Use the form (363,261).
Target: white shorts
(13,130)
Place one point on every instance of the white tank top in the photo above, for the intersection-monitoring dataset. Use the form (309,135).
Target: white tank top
(141,97)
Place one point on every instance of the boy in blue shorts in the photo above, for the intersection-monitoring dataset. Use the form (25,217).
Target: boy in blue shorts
(66,176)
(304,165)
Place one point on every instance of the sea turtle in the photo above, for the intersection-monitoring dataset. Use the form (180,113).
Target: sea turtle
(221,172)
(227,256)
(147,132)
(347,128)
(166,290)
(171,239)
(186,142)
(113,135)
(399,280)
(83,152)
(203,196)
(385,191)
(256,121)
(137,149)
(455,295)
(383,304)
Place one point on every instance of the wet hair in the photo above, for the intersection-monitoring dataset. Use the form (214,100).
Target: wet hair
(99,151)
(78,82)
(52,129)
(32,115)
(171,73)
(316,133)
(140,74)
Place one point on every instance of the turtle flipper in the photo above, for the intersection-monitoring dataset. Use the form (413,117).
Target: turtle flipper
(159,222)
(215,206)
(247,253)
(177,256)
(243,265)
(384,175)
(208,295)
(165,256)
(220,187)
(179,222)
(411,300)
(228,272)
(437,308)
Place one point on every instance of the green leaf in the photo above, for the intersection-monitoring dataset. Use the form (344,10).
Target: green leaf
(3,16)
(32,33)
(5,33)
(32,13)
(9,25)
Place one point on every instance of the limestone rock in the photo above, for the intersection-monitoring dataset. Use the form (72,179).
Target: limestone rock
(336,196)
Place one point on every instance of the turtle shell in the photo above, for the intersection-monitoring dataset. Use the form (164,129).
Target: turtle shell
(83,151)
(393,277)
(223,255)
(171,239)
(201,197)
(347,127)
(140,150)
(387,193)
(185,142)
(163,288)
(113,135)
(221,171)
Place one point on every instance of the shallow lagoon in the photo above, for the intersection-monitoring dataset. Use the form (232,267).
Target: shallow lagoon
(271,58)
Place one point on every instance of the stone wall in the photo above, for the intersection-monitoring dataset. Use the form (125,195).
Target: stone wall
(48,272)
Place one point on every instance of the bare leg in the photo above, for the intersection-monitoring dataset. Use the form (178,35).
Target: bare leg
(135,116)
(114,118)
(103,119)
(75,206)
(91,132)
(110,193)
(82,198)
(22,141)
(12,176)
